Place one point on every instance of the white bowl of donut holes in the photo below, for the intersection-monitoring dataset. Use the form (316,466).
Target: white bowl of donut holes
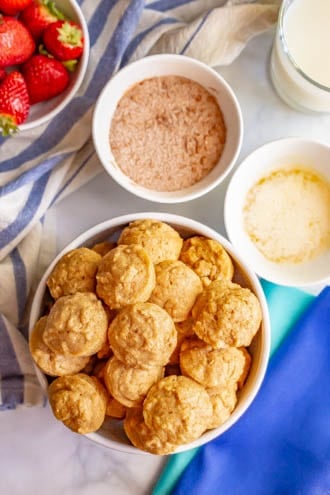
(149,333)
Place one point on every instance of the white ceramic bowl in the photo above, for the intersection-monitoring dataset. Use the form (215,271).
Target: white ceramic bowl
(284,153)
(42,112)
(163,65)
(111,434)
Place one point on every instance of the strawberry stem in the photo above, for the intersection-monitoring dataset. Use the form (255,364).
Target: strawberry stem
(70,65)
(54,10)
(42,50)
(8,125)
(70,34)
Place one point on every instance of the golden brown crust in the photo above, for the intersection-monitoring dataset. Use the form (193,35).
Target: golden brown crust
(142,335)
(51,363)
(98,369)
(176,289)
(247,365)
(90,366)
(223,402)
(76,325)
(79,401)
(226,315)
(125,276)
(142,437)
(207,258)
(213,367)
(177,409)
(130,385)
(115,409)
(184,331)
(102,248)
(74,272)
(105,351)
(160,240)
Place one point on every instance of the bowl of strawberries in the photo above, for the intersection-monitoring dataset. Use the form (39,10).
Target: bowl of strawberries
(44,49)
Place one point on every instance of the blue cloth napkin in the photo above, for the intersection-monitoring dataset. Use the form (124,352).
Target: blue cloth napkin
(281,446)
(41,166)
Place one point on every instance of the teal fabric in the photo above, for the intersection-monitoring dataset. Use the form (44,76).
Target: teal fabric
(286,305)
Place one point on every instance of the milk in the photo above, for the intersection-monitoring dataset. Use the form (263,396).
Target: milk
(303,32)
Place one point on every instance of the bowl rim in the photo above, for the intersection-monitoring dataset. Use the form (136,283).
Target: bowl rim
(188,223)
(228,205)
(83,63)
(182,195)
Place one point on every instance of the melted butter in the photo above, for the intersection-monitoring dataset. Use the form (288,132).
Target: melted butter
(287,215)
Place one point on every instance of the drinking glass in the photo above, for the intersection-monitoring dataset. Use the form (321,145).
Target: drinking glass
(292,84)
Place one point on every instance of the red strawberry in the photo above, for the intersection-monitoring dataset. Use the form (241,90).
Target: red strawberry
(64,40)
(38,15)
(3,74)
(12,7)
(14,103)
(45,77)
(16,43)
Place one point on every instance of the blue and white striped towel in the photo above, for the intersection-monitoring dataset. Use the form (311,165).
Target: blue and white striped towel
(41,166)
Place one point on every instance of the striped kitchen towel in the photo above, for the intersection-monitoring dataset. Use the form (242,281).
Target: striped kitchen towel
(41,166)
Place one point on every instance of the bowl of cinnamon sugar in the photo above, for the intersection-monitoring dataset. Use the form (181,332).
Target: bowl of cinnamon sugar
(167,128)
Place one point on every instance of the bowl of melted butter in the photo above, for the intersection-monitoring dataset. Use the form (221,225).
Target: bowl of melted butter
(277,211)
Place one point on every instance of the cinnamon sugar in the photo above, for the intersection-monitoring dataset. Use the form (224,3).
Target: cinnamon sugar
(167,133)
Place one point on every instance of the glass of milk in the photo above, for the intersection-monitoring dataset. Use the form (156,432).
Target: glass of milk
(300,60)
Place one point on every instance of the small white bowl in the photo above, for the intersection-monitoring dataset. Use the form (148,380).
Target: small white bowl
(111,434)
(164,65)
(42,112)
(282,154)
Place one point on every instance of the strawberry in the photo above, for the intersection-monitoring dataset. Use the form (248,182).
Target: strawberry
(45,77)
(16,43)
(13,7)
(38,15)
(14,103)
(64,40)
(3,74)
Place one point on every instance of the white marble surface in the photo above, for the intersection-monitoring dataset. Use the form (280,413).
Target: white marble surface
(38,455)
